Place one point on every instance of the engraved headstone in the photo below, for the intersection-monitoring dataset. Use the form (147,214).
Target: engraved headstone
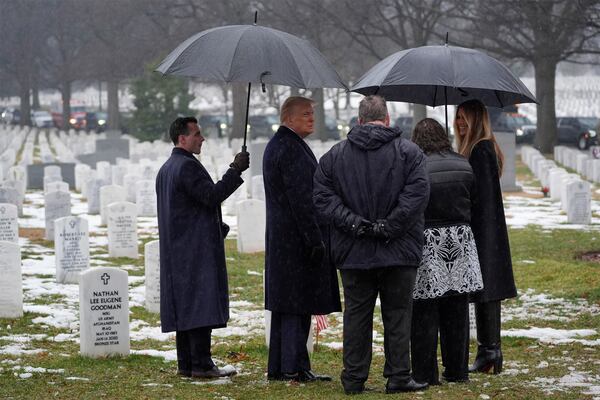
(82,173)
(9,224)
(129,182)
(110,194)
(50,179)
(579,203)
(56,205)
(18,173)
(145,198)
(57,186)
(104,171)
(71,248)
(104,312)
(11,282)
(152,268)
(122,230)
(93,186)
(118,173)
(251,217)
(16,185)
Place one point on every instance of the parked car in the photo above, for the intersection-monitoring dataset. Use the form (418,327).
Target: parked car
(214,125)
(11,116)
(263,125)
(41,119)
(578,131)
(517,123)
(95,121)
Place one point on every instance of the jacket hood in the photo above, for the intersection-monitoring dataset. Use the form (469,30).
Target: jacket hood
(370,136)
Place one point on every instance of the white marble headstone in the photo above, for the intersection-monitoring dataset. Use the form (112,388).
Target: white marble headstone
(579,204)
(104,171)
(110,194)
(145,198)
(122,230)
(57,186)
(251,220)
(129,182)
(104,312)
(9,223)
(71,248)
(93,195)
(56,205)
(82,173)
(152,269)
(52,170)
(11,282)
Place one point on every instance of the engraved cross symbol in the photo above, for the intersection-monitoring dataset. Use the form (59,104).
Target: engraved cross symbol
(105,278)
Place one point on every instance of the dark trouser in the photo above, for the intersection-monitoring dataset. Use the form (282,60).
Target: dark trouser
(361,287)
(193,350)
(487,316)
(450,316)
(287,343)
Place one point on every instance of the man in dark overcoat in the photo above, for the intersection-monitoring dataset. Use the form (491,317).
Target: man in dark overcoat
(194,296)
(299,279)
(373,187)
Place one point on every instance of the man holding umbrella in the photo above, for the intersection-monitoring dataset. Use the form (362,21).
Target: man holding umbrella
(373,188)
(194,297)
(299,279)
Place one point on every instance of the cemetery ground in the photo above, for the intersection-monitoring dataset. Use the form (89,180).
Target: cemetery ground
(551,332)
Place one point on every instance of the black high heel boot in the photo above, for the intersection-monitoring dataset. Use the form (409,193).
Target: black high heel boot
(489,352)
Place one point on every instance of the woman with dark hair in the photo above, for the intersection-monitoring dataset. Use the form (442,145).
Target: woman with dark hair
(450,270)
(476,141)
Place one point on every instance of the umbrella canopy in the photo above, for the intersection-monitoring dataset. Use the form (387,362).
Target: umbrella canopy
(442,75)
(251,54)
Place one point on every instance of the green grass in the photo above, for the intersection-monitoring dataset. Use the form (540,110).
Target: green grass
(556,270)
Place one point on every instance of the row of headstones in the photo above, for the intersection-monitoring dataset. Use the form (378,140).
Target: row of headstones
(573,193)
(585,164)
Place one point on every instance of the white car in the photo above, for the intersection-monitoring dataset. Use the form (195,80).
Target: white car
(41,119)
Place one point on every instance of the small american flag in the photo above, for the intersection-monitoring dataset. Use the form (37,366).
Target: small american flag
(321,322)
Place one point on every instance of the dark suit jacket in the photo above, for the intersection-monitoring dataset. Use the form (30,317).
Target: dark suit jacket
(291,284)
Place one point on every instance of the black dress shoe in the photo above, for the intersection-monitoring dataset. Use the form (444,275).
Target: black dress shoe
(410,386)
(214,372)
(310,376)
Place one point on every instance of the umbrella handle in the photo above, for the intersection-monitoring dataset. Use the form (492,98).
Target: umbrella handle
(246,124)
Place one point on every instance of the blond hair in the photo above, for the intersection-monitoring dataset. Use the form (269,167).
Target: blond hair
(478,128)
(289,104)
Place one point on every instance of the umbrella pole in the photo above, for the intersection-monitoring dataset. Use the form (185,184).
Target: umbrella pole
(244,148)
(446,109)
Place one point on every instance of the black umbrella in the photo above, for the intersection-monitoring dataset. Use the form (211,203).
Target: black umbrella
(252,54)
(436,75)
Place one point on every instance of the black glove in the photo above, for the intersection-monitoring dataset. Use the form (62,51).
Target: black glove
(316,255)
(378,230)
(241,162)
(224,229)
(363,229)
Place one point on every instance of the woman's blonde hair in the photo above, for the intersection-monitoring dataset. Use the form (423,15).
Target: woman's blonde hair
(478,128)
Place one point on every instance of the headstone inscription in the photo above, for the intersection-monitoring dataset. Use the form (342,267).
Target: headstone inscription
(152,268)
(56,205)
(11,282)
(71,247)
(122,230)
(9,226)
(110,194)
(145,198)
(104,312)
(579,204)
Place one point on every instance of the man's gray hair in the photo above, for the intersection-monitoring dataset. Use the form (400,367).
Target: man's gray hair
(372,108)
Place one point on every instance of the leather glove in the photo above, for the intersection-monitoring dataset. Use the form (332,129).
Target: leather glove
(316,255)
(379,230)
(241,161)
(364,228)
(224,229)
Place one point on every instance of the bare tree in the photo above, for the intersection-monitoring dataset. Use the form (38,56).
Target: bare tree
(541,32)
(21,29)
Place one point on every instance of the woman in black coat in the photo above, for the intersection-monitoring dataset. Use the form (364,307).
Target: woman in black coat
(450,269)
(476,141)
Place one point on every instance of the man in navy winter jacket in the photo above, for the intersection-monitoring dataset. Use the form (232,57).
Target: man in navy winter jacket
(373,189)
